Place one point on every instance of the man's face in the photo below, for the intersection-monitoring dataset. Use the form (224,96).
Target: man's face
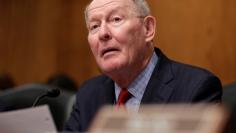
(116,34)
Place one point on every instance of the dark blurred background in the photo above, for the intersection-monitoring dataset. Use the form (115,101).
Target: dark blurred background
(40,38)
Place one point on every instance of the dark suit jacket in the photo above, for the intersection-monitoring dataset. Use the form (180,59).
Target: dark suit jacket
(171,82)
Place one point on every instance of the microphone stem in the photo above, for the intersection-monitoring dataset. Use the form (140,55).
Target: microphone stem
(38,99)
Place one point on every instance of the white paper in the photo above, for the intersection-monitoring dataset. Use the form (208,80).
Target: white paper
(30,120)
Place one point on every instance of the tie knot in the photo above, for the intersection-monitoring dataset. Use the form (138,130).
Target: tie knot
(124,96)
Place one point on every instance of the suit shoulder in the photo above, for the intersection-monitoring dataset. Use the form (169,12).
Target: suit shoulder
(90,86)
(179,69)
(97,79)
(190,70)
(94,81)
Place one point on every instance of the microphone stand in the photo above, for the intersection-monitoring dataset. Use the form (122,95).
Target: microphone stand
(38,99)
(50,93)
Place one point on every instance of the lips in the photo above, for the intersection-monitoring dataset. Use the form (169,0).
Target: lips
(109,50)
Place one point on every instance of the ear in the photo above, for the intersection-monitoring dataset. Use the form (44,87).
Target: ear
(150,27)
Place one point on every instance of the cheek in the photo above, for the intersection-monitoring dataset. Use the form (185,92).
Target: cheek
(93,44)
(123,35)
(130,33)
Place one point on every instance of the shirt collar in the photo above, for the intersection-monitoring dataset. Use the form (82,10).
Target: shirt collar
(139,85)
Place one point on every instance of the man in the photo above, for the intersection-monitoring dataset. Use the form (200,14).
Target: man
(121,36)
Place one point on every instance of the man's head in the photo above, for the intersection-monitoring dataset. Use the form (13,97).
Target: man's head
(120,34)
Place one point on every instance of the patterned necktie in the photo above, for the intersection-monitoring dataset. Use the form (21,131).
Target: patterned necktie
(124,96)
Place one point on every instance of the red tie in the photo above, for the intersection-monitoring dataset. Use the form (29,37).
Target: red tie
(124,96)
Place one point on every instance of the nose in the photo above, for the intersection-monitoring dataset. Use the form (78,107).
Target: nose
(104,33)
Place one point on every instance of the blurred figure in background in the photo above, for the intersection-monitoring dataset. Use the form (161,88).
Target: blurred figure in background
(62,81)
(6,81)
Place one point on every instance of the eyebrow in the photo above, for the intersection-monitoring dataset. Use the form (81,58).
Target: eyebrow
(112,11)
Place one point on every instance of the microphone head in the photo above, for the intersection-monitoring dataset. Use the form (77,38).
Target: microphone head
(54,92)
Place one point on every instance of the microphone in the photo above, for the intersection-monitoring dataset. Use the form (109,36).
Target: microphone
(54,92)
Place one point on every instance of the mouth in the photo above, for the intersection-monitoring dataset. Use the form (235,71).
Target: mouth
(109,50)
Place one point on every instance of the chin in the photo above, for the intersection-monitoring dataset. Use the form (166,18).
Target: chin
(111,68)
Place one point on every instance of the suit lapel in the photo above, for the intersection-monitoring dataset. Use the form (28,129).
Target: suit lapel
(158,89)
(106,92)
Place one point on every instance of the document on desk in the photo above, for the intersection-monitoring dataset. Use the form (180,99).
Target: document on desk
(30,120)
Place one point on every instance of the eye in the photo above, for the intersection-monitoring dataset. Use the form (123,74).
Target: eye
(116,19)
(93,27)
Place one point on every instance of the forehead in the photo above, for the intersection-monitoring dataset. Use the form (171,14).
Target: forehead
(97,5)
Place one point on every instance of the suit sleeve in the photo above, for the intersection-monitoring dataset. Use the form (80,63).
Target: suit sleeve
(209,90)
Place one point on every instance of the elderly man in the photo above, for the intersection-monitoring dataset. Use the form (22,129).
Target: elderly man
(121,36)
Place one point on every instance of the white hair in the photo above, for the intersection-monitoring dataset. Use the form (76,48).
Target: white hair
(141,6)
